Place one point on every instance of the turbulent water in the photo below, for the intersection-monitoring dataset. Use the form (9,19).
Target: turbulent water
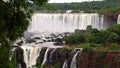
(45,57)
(118,21)
(65,65)
(30,55)
(32,51)
(74,60)
(52,23)
(66,22)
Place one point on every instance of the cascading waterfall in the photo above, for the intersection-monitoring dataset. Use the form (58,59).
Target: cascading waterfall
(118,21)
(65,65)
(51,54)
(73,62)
(31,52)
(19,65)
(30,55)
(45,57)
(64,22)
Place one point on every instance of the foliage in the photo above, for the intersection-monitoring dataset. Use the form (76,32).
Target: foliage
(115,28)
(57,65)
(96,37)
(114,46)
(113,38)
(89,28)
(102,55)
(88,50)
(110,7)
(95,45)
(75,39)
(4,57)
(85,45)
(14,20)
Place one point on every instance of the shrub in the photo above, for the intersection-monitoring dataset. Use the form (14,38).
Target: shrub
(95,45)
(114,46)
(89,28)
(112,38)
(115,28)
(75,39)
(88,50)
(95,39)
(95,31)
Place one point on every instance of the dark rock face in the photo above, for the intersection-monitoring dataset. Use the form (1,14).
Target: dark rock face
(77,31)
(19,57)
(94,61)
(109,20)
(19,43)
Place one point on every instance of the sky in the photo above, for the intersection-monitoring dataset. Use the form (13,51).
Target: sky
(68,1)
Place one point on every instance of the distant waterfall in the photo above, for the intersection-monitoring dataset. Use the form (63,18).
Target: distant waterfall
(66,22)
(74,60)
(30,55)
(45,57)
(65,65)
(118,21)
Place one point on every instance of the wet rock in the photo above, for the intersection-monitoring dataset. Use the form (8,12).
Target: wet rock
(19,57)
(77,31)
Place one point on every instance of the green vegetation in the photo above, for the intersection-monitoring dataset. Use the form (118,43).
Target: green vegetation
(88,50)
(95,38)
(107,7)
(75,39)
(14,20)
(114,46)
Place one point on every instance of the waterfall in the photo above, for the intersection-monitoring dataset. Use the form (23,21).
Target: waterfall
(30,55)
(65,65)
(51,54)
(118,21)
(31,52)
(19,65)
(45,57)
(66,22)
(74,60)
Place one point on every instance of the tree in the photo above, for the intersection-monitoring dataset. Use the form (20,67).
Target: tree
(14,20)
(115,28)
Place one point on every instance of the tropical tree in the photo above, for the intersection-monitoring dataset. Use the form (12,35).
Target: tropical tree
(14,20)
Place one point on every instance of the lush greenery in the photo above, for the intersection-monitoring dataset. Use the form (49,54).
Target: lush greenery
(14,20)
(94,37)
(108,7)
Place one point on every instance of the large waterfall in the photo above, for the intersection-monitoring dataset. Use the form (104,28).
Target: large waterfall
(66,22)
(30,55)
(118,21)
(32,51)
(52,23)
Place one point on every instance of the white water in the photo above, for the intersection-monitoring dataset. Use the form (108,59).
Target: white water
(65,65)
(64,22)
(30,55)
(32,51)
(19,65)
(51,54)
(118,21)
(45,57)
(74,60)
